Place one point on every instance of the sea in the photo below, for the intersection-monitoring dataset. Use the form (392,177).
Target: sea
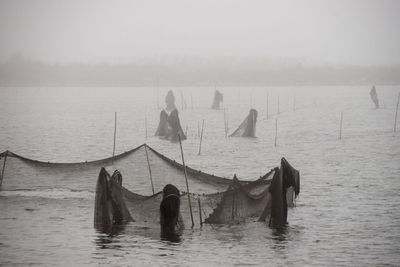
(347,152)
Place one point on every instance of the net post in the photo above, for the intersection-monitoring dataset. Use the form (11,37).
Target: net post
(186,179)
(341,122)
(201,220)
(276,131)
(2,170)
(148,164)
(201,137)
(145,123)
(267,104)
(395,117)
(115,135)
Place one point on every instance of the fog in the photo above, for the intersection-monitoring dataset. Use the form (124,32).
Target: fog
(308,31)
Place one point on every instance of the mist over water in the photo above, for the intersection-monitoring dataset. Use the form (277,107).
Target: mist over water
(347,213)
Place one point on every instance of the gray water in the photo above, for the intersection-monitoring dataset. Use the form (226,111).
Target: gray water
(348,212)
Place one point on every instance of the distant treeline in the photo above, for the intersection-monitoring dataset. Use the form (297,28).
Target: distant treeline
(23,72)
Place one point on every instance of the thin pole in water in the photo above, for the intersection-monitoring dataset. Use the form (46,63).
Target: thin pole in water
(145,122)
(201,220)
(115,135)
(186,179)
(267,104)
(341,122)
(397,108)
(2,170)
(225,124)
(294,103)
(278,105)
(148,164)
(276,131)
(158,103)
(201,137)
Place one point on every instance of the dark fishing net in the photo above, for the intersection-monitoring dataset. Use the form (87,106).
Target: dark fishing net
(218,97)
(22,173)
(374,96)
(248,127)
(241,201)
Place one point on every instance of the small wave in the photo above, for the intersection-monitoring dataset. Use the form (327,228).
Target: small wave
(55,193)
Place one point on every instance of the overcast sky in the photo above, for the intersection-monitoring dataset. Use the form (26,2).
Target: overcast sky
(351,32)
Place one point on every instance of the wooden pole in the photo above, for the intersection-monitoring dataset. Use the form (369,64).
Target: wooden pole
(115,135)
(278,105)
(186,179)
(225,124)
(397,108)
(2,170)
(201,220)
(267,105)
(341,122)
(201,137)
(148,164)
(145,122)
(276,131)
(294,103)
(158,103)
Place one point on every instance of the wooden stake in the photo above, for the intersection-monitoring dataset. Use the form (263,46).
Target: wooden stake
(145,122)
(267,105)
(294,103)
(201,137)
(201,220)
(115,135)
(187,184)
(276,131)
(2,171)
(225,124)
(158,103)
(278,105)
(341,122)
(397,108)
(148,164)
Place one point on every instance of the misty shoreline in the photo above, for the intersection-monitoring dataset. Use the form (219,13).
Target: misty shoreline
(21,72)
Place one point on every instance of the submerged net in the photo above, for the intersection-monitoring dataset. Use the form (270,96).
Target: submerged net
(21,173)
(248,127)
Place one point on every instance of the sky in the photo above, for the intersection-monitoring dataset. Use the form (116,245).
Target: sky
(338,31)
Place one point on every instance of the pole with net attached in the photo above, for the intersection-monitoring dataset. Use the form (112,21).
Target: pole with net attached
(2,170)
(186,179)
(148,164)
(201,137)
(397,108)
(115,135)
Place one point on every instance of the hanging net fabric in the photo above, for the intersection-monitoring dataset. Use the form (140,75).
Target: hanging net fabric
(218,98)
(248,127)
(374,96)
(264,199)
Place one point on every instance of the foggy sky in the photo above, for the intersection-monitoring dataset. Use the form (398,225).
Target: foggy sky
(349,32)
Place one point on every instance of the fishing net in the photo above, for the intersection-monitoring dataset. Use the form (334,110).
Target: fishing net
(248,127)
(218,97)
(241,201)
(21,173)
(374,96)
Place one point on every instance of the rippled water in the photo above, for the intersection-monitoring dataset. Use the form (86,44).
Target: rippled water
(348,212)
